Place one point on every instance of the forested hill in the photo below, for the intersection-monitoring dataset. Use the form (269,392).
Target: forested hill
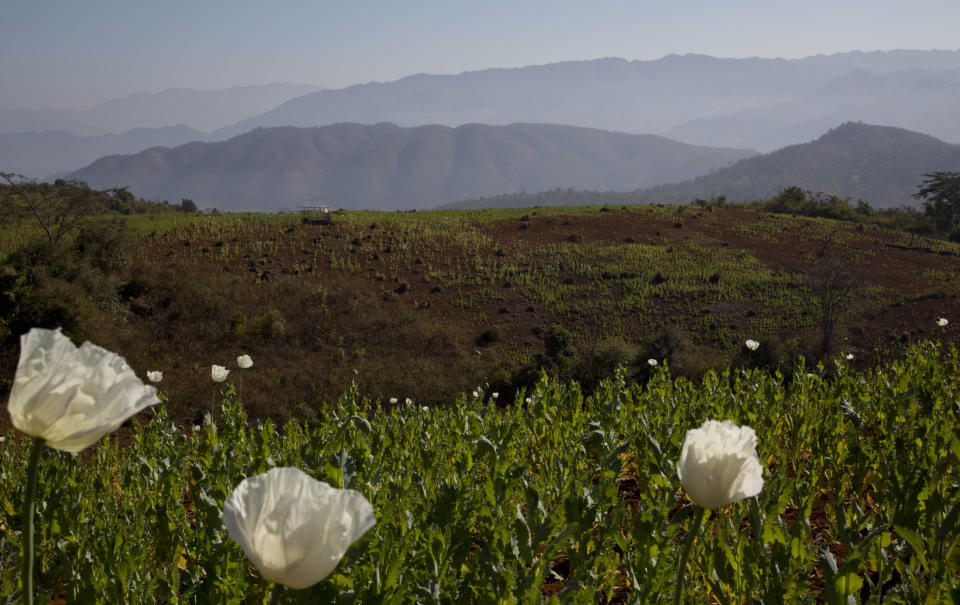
(388,167)
(878,164)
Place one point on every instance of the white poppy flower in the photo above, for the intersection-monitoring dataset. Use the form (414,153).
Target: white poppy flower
(849,356)
(244,361)
(154,376)
(71,396)
(753,345)
(719,464)
(528,400)
(942,322)
(652,362)
(393,400)
(294,528)
(425,409)
(218,373)
(494,395)
(408,401)
(475,394)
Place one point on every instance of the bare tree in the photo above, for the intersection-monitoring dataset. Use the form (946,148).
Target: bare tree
(57,208)
(834,281)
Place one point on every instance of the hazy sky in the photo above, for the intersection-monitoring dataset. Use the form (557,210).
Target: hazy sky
(74,53)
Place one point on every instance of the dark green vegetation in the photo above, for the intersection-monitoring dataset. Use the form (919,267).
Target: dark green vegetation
(428,305)
(857,161)
(562,498)
(940,193)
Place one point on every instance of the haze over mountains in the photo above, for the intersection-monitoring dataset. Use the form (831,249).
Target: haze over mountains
(747,104)
(385,166)
(689,97)
(203,110)
(50,153)
(925,101)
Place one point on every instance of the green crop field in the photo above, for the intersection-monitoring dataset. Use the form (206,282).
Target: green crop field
(556,497)
(511,391)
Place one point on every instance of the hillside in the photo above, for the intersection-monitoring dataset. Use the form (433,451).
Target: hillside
(430,304)
(39,155)
(696,98)
(388,167)
(879,164)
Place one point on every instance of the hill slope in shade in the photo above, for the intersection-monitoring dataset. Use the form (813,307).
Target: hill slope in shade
(880,164)
(385,166)
(695,94)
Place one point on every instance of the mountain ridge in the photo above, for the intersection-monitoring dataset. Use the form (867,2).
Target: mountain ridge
(609,93)
(385,166)
(881,165)
(51,153)
(204,110)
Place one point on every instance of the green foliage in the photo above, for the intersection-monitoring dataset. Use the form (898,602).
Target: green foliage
(557,340)
(566,497)
(940,193)
(271,325)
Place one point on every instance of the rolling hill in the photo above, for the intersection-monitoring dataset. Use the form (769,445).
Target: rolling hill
(385,166)
(879,164)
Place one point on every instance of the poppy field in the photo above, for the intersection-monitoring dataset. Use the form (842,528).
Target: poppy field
(555,496)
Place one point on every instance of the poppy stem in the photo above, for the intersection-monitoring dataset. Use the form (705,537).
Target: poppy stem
(688,544)
(28,506)
(275,595)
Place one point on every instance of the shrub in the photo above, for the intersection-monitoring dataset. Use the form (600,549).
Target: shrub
(238,323)
(557,340)
(105,245)
(271,325)
(491,335)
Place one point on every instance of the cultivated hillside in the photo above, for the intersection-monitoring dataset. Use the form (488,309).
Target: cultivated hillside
(385,166)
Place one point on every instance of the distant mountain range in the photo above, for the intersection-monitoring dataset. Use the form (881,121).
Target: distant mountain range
(385,166)
(879,164)
(50,153)
(924,101)
(761,104)
(204,110)
(754,103)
